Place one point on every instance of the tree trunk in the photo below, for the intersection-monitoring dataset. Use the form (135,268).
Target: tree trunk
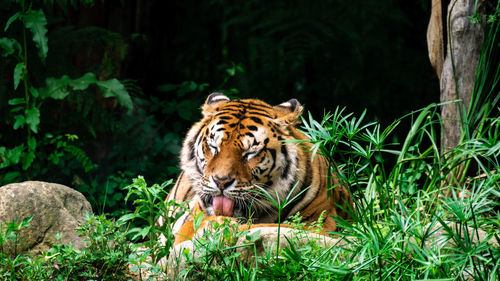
(457,64)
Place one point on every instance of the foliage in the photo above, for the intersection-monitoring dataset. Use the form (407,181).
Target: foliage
(105,258)
(26,158)
(215,254)
(403,197)
(151,206)
(37,101)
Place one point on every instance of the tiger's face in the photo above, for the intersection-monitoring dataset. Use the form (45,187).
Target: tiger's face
(237,146)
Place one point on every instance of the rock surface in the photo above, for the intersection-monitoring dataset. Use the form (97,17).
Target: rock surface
(55,209)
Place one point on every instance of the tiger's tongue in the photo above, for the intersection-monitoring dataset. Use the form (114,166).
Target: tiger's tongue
(223,206)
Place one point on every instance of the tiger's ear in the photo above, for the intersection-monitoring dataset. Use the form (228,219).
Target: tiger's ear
(288,113)
(212,101)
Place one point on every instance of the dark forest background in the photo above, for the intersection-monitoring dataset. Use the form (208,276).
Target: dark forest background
(169,55)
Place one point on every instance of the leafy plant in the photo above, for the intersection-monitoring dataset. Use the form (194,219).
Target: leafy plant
(401,222)
(106,257)
(215,254)
(9,234)
(14,264)
(28,97)
(149,207)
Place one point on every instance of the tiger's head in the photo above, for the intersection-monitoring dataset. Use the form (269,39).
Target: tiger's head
(238,145)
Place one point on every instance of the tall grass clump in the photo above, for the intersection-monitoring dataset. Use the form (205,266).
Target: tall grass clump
(409,221)
(420,213)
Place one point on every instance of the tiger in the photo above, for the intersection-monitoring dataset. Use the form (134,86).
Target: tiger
(243,148)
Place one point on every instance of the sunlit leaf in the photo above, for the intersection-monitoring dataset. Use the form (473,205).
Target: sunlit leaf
(197,221)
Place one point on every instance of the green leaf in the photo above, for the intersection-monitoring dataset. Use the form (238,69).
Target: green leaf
(55,88)
(33,118)
(127,217)
(26,222)
(58,88)
(16,101)
(16,109)
(34,92)
(202,86)
(37,23)
(10,156)
(114,88)
(140,232)
(9,177)
(197,221)
(27,159)
(32,143)
(9,46)
(83,82)
(20,121)
(192,86)
(18,74)
(11,20)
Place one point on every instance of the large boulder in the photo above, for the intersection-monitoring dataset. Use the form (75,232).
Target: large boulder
(55,209)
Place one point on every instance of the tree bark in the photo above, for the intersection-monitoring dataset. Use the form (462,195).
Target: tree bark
(435,37)
(458,69)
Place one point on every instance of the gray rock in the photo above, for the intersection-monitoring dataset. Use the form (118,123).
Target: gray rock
(55,209)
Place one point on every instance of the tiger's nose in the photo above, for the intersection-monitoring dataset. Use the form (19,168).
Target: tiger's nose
(223,182)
